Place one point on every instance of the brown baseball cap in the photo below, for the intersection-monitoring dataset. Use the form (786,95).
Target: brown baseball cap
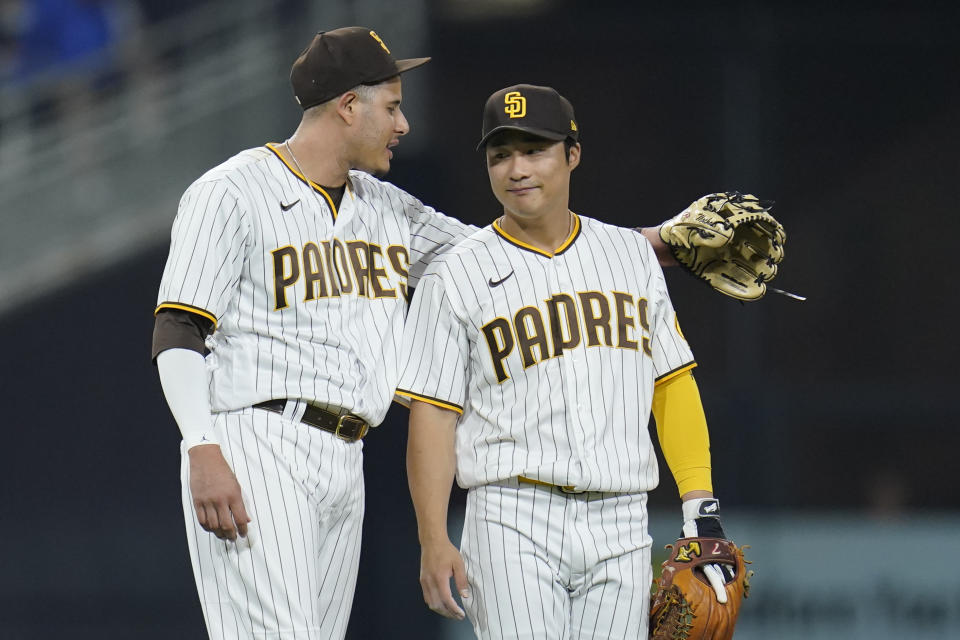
(526,107)
(338,60)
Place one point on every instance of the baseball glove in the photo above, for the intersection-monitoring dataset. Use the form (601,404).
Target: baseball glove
(684,605)
(730,241)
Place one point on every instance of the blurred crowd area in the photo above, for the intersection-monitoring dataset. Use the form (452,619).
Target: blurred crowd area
(41,37)
(62,56)
(80,45)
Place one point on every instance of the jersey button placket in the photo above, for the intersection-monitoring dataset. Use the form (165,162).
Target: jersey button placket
(560,282)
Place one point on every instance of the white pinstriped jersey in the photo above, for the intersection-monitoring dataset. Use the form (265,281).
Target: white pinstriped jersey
(308,301)
(551,359)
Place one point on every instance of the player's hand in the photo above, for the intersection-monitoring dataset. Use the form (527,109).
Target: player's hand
(438,563)
(216,493)
(701,519)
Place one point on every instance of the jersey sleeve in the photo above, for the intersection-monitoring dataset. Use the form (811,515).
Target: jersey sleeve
(435,348)
(207,248)
(669,349)
(431,233)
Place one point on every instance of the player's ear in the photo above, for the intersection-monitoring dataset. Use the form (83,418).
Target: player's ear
(573,156)
(346,106)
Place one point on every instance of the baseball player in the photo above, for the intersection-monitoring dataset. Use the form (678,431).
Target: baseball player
(289,266)
(277,340)
(533,354)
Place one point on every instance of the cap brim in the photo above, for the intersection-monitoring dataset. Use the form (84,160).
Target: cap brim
(402,65)
(542,133)
(410,63)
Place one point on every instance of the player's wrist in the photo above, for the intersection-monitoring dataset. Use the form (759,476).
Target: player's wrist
(695,506)
(701,518)
(430,538)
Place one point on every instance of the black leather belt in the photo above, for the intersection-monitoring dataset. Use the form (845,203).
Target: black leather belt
(348,426)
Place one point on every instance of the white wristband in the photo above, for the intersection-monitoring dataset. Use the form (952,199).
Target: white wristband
(183,376)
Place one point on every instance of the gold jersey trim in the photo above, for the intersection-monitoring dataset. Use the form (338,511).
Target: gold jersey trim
(186,307)
(574,233)
(434,401)
(310,183)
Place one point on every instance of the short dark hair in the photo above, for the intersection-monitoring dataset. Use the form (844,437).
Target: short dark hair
(500,135)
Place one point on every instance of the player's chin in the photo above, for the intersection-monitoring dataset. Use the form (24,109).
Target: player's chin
(524,205)
(383,163)
(378,169)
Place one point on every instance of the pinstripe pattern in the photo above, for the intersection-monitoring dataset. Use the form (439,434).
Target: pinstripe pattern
(553,360)
(340,349)
(579,419)
(304,490)
(547,565)
(309,304)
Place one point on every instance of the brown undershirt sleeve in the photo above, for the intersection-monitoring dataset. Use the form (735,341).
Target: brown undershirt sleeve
(177,329)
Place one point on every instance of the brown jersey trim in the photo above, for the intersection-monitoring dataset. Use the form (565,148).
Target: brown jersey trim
(673,374)
(178,329)
(434,401)
(273,146)
(180,306)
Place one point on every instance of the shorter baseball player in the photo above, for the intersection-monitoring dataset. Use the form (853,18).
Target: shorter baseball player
(533,354)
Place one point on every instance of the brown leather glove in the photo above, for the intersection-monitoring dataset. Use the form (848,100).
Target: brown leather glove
(685,606)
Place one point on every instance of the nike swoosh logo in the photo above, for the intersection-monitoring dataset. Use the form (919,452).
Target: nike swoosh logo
(287,207)
(708,507)
(497,283)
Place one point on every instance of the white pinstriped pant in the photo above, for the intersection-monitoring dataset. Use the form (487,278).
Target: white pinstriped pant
(543,564)
(304,490)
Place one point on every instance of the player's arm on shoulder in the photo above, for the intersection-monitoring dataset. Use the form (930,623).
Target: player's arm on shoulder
(664,255)
(729,240)
(431,232)
(431,466)
(423,215)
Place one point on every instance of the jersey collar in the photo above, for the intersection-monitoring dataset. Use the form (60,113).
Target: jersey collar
(574,233)
(313,185)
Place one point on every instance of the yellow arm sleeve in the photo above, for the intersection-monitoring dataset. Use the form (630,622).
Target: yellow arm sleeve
(682,430)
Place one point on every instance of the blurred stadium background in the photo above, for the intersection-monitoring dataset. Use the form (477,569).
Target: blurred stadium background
(834,427)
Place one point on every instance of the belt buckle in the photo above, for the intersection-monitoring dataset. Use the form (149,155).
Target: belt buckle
(570,490)
(340,422)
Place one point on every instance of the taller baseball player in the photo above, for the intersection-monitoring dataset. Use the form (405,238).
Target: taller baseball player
(290,265)
(533,354)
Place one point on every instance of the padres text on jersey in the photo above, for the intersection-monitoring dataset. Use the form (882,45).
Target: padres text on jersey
(551,358)
(302,294)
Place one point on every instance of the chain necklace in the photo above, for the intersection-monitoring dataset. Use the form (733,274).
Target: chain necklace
(286,143)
